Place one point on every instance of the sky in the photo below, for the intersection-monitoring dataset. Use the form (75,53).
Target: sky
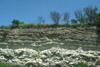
(28,11)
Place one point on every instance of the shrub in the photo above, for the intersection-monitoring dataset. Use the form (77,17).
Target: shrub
(74,21)
(15,23)
(82,64)
(2,27)
(29,25)
(4,65)
(5,27)
(5,33)
(38,53)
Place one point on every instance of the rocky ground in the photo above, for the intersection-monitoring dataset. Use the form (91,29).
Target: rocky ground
(54,57)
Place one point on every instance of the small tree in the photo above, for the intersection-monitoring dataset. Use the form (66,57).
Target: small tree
(55,16)
(91,14)
(15,23)
(82,20)
(66,18)
(43,21)
(79,16)
(98,19)
(40,20)
(74,21)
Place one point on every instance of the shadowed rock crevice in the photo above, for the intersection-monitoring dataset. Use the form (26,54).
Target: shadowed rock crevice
(98,35)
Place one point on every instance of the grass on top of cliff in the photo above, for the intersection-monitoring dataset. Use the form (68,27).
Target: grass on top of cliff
(4,64)
(42,26)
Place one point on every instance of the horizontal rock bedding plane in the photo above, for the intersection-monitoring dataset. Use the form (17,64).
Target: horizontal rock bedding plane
(45,38)
(54,57)
(79,34)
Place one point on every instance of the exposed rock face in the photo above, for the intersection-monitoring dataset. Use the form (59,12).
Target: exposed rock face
(82,34)
(51,36)
(54,57)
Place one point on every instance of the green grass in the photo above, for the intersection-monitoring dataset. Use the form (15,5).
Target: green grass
(4,64)
(26,26)
(82,64)
(5,33)
(38,53)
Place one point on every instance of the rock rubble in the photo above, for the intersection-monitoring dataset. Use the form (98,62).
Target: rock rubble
(54,57)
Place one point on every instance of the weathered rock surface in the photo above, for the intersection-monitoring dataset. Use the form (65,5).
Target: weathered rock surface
(83,34)
(54,57)
(45,38)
